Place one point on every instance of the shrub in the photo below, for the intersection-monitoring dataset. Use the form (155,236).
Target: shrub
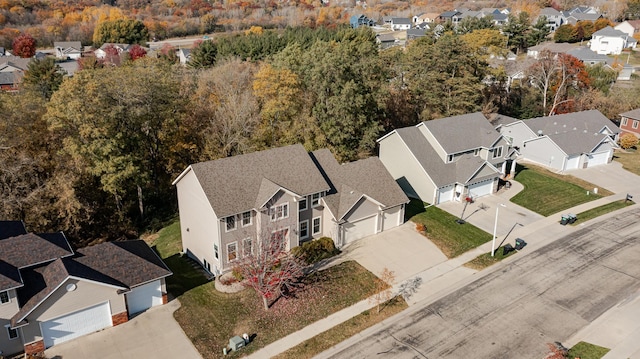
(628,140)
(227,279)
(237,274)
(316,250)
(421,228)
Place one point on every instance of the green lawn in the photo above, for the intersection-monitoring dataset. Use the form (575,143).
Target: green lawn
(585,350)
(599,211)
(452,238)
(335,335)
(630,160)
(548,193)
(485,260)
(210,318)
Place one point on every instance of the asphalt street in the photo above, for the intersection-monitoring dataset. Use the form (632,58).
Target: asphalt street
(521,305)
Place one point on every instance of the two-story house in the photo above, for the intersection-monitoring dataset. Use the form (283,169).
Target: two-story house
(630,122)
(448,159)
(50,294)
(609,41)
(228,205)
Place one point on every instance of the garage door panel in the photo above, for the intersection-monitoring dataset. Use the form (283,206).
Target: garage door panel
(76,324)
(144,297)
(480,189)
(359,229)
(573,162)
(445,194)
(597,159)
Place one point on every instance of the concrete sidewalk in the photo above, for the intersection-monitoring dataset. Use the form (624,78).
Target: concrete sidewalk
(447,276)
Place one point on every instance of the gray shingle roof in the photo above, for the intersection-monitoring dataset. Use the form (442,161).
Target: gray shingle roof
(585,54)
(401,21)
(634,114)
(592,121)
(577,142)
(233,184)
(350,181)
(441,173)
(461,133)
(68,44)
(609,31)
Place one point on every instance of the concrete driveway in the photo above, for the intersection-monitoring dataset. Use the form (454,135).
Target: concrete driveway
(401,249)
(482,212)
(612,177)
(152,334)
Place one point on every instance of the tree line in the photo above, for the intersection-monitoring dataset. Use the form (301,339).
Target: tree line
(95,154)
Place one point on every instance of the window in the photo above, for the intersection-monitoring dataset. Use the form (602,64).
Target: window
(215,250)
(246,219)
(247,245)
(304,229)
(302,205)
(316,225)
(635,124)
(13,333)
(279,212)
(624,121)
(450,158)
(232,251)
(497,152)
(4,297)
(315,199)
(231,223)
(280,238)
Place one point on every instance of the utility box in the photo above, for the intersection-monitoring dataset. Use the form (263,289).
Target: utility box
(236,343)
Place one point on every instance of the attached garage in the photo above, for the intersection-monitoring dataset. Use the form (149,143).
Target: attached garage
(573,162)
(445,194)
(482,188)
(597,159)
(359,229)
(144,297)
(76,324)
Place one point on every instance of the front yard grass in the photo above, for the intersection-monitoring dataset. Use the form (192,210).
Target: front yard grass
(486,260)
(548,193)
(601,210)
(630,160)
(210,318)
(335,335)
(584,350)
(452,238)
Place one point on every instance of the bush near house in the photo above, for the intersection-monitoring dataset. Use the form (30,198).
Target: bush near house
(316,250)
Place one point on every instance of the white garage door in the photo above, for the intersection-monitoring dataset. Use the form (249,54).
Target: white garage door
(573,162)
(76,324)
(144,297)
(358,229)
(445,194)
(480,189)
(596,159)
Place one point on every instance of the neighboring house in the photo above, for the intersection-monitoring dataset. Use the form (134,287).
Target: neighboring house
(229,204)
(554,18)
(12,70)
(184,55)
(630,122)
(609,41)
(630,27)
(9,81)
(360,20)
(400,23)
(588,57)
(625,73)
(577,17)
(68,50)
(448,159)
(70,67)
(450,16)
(386,41)
(49,294)
(553,47)
(425,18)
(413,34)
(121,48)
(564,142)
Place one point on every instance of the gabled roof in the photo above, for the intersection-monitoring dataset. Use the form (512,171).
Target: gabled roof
(578,142)
(401,21)
(549,11)
(77,45)
(500,120)
(559,47)
(634,23)
(634,114)
(352,181)
(460,133)
(15,61)
(591,121)
(30,249)
(586,54)
(441,173)
(123,47)
(232,184)
(449,14)
(11,229)
(609,32)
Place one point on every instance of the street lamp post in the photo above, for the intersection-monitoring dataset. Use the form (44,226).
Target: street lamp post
(495,229)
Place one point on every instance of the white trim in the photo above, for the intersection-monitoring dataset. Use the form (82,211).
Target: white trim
(356,202)
(291,193)
(226,223)
(306,221)
(229,260)
(273,210)
(544,136)
(184,173)
(486,163)
(8,297)
(244,246)
(242,219)
(320,196)
(495,150)
(313,225)
(9,329)
(306,204)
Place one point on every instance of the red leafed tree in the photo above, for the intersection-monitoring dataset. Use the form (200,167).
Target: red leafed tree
(24,46)
(268,267)
(137,52)
(112,55)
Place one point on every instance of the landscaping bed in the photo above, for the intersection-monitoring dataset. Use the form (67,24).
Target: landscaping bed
(549,193)
(210,318)
(441,228)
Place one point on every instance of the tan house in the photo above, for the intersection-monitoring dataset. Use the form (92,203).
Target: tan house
(227,205)
(50,295)
(448,159)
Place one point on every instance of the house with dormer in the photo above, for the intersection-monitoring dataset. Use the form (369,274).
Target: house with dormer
(448,159)
(51,294)
(228,205)
(609,41)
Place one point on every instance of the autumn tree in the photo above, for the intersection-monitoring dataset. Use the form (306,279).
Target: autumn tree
(137,52)
(24,46)
(628,140)
(384,289)
(44,76)
(632,10)
(121,31)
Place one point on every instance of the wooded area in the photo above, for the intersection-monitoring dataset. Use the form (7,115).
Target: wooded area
(94,155)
